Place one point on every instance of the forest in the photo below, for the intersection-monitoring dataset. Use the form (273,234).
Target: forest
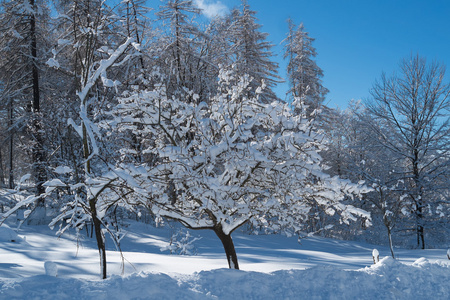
(114,109)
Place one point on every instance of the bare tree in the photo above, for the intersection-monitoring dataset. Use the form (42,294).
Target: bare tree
(414,108)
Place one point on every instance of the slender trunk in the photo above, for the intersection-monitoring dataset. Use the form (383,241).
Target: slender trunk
(38,152)
(99,237)
(391,246)
(38,155)
(87,165)
(419,202)
(2,173)
(420,229)
(11,146)
(138,39)
(93,208)
(228,246)
(387,221)
(419,220)
(180,73)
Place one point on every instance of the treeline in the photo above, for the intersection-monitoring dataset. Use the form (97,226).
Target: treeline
(131,108)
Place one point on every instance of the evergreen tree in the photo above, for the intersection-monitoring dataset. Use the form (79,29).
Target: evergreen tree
(250,52)
(182,50)
(304,75)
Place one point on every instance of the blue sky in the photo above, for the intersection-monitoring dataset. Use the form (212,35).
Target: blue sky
(356,40)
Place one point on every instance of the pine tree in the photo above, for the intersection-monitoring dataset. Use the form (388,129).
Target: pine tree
(137,25)
(182,49)
(250,51)
(304,75)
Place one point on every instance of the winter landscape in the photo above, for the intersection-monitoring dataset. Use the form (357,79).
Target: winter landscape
(146,153)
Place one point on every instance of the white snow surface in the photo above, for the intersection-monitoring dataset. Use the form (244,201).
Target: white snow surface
(7,234)
(272,267)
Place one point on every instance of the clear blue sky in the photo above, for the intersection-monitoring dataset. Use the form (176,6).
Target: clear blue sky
(356,40)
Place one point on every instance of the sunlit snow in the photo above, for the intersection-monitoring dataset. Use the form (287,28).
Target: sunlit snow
(40,265)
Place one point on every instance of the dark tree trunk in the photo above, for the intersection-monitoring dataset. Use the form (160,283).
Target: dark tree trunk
(391,246)
(2,173)
(418,201)
(99,237)
(420,230)
(93,208)
(228,245)
(38,152)
(38,155)
(11,146)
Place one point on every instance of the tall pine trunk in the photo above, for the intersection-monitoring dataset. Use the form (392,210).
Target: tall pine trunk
(39,173)
(11,145)
(2,172)
(38,153)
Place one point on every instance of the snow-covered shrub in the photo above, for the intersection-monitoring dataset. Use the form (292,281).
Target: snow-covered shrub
(182,243)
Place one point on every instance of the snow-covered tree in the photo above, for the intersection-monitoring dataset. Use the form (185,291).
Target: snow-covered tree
(89,51)
(304,76)
(250,51)
(136,23)
(230,162)
(354,153)
(7,136)
(183,49)
(22,25)
(98,182)
(412,108)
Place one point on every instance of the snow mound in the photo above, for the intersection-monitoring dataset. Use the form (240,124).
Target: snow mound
(51,269)
(8,235)
(388,279)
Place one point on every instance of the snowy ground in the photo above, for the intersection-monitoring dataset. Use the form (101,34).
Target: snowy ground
(273,267)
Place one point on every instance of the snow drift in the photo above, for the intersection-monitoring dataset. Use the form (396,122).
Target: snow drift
(388,279)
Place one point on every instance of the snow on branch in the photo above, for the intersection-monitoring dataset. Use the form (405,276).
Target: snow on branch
(103,66)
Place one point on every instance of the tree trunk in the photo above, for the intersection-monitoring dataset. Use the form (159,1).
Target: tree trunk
(418,201)
(93,208)
(228,245)
(391,246)
(99,237)
(38,155)
(2,173)
(419,220)
(38,152)
(389,227)
(420,230)
(11,146)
